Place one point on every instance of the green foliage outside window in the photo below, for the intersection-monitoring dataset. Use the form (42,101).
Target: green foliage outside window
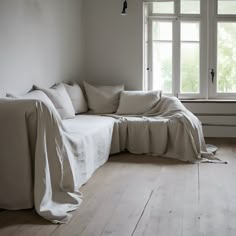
(226,63)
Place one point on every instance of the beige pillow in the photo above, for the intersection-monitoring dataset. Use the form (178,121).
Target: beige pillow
(137,102)
(36,95)
(103,99)
(60,99)
(77,97)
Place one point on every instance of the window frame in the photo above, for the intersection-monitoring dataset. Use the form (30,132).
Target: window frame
(208,20)
(214,18)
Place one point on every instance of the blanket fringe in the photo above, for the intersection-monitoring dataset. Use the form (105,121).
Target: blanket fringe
(209,157)
(216,161)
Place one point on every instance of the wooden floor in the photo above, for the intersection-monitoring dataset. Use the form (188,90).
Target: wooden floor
(142,195)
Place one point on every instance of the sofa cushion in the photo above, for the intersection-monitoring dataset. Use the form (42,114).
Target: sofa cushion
(77,97)
(137,102)
(93,136)
(103,99)
(60,99)
(36,95)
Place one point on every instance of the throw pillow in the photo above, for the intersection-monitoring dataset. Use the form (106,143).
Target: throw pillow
(103,99)
(137,102)
(60,99)
(77,97)
(36,95)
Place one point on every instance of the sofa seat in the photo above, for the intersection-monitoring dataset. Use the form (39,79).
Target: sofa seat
(157,136)
(51,157)
(94,136)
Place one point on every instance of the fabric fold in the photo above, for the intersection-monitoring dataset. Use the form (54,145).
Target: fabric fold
(167,130)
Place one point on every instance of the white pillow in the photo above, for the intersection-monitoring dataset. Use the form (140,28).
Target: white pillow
(36,95)
(137,102)
(103,99)
(60,99)
(77,97)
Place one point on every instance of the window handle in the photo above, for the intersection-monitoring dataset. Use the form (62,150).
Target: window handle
(212,75)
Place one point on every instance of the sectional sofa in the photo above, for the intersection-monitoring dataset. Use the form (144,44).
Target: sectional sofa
(52,140)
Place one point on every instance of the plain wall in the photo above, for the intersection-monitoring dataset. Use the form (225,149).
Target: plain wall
(41,42)
(114,44)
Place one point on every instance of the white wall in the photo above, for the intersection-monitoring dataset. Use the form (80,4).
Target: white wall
(114,42)
(41,42)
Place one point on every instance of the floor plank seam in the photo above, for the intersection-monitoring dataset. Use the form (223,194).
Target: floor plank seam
(104,227)
(149,198)
(54,230)
(198,181)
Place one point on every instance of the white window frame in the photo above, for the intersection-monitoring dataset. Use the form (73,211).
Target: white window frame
(208,48)
(213,20)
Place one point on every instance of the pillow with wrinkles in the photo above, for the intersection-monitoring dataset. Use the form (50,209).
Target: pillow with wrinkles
(137,102)
(61,100)
(103,99)
(77,98)
(36,95)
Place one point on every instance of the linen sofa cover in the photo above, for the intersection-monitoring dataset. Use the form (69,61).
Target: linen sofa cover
(44,162)
(51,158)
(168,130)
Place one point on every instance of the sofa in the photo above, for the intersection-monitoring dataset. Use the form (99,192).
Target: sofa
(52,140)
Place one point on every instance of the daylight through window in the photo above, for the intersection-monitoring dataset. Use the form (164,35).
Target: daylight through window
(190,47)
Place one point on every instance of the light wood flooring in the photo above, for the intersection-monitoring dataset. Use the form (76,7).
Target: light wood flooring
(142,195)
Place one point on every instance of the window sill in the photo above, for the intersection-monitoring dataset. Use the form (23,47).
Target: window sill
(208,100)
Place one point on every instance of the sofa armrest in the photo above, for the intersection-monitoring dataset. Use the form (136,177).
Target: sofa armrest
(17,140)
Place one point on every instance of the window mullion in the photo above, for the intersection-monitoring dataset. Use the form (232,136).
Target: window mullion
(212,48)
(204,41)
(150,55)
(176,51)
(176,58)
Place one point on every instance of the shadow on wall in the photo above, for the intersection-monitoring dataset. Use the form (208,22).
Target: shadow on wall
(41,43)
(114,43)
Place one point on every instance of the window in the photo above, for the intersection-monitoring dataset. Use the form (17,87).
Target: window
(189,59)
(226,57)
(224,49)
(162,55)
(190,47)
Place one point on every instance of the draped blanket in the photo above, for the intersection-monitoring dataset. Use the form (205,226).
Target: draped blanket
(44,160)
(167,130)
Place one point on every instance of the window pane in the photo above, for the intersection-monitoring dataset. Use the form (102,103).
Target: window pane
(163,7)
(190,6)
(226,58)
(162,30)
(190,31)
(226,6)
(145,84)
(190,67)
(145,32)
(162,66)
(145,23)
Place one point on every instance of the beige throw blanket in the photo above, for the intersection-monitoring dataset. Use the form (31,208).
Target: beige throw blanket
(40,153)
(42,163)
(167,130)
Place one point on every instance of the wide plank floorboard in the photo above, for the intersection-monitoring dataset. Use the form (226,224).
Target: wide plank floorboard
(133,195)
(218,195)
(173,207)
